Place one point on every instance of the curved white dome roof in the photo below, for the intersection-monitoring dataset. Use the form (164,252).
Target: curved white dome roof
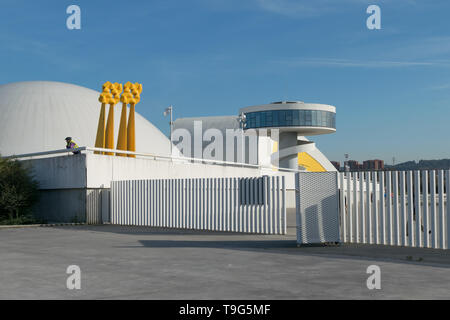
(36,116)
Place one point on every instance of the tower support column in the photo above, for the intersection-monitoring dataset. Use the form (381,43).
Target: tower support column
(288,139)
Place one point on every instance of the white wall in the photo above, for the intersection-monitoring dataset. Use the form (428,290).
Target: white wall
(101,170)
(97,171)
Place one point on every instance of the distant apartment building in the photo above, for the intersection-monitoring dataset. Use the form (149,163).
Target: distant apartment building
(373,164)
(337,165)
(353,165)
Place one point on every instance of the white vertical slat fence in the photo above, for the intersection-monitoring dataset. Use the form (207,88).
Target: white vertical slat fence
(250,205)
(399,208)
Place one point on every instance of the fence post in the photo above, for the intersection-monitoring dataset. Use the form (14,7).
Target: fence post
(130,203)
(441,216)
(228,205)
(447,187)
(156,202)
(237,221)
(389,221)
(112,201)
(426,214)
(169,184)
(362,218)
(118,192)
(382,210)
(410,209)
(342,207)
(374,215)
(349,216)
(283,206)
(265,195)
(151,203)
(396,217)
(402,213)
(417,209)
(278,208)
(368,209)
(255,203)
(208,207)
(355,220)
(433,212)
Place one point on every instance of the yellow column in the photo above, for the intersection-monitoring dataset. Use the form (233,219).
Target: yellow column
(109,139)
(131,143)
(126,98)
(122,139)
(113,97)
(136,90)
(131,95)
(104,99)
(100,139)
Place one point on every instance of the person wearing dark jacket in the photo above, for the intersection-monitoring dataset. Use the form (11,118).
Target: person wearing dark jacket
(70,144)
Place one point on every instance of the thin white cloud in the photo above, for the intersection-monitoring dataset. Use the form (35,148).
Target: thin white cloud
(311,8)
(423,48)
(444,86)
(46,52)
(349,63)
(292,7)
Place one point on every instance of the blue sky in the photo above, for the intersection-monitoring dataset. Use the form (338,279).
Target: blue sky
(391,86)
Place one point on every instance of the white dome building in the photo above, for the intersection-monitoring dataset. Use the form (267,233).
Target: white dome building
(36,116)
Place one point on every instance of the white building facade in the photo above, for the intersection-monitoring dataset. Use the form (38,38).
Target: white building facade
(271,135)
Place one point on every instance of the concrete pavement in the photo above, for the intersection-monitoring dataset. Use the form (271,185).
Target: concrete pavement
(149,263)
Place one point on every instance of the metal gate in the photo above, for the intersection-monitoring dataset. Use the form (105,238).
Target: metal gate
(317,204)
(397,208)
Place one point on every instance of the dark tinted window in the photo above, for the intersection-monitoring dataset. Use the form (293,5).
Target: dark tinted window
(285,118)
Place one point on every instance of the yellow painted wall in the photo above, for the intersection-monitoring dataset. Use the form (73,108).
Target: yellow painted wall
(309,163)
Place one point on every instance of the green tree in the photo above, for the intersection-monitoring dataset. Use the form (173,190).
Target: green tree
(18,189)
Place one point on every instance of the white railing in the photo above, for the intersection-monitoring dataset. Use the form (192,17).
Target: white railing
(144,155)
(402,208)
(250,205)
(45,153)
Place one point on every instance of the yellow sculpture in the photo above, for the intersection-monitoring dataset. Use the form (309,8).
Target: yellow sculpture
(104,98)
(110,95)
(122,139)
(131,95)
(127,137)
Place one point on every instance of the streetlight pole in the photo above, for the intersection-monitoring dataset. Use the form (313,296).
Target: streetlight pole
(169,110)
(346,164)
(242,119)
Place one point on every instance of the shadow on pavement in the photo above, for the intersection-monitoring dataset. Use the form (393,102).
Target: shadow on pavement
(229,244)
(144,230)
(280,244)
(423,257)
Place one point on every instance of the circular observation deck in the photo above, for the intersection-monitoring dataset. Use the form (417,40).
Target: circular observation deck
(306,119)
